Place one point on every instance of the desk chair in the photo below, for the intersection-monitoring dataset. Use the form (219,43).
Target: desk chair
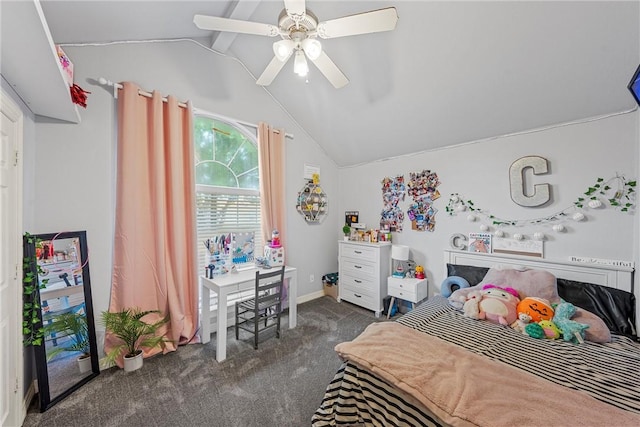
(266,305)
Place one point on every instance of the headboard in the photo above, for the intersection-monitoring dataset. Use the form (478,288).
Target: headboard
(606,275)
(617,277)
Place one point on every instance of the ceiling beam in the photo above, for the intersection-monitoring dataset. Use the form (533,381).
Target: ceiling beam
(242,10)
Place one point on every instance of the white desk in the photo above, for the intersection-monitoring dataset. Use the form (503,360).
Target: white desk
(230,283)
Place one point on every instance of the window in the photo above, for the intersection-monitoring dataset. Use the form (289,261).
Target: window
(227,183)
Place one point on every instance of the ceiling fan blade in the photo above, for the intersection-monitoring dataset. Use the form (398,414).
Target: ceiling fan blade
(295,7)
(361,23)
(330,71)
(214,23)
(271,71)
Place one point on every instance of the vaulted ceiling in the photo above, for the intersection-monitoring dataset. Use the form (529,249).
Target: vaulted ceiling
(451,72)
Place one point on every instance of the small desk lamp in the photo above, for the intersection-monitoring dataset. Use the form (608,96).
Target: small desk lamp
(399,254)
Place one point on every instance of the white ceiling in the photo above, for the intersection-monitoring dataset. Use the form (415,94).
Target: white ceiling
(451,72)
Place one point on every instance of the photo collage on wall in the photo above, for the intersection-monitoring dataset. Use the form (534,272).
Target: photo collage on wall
(422,187)
(393,191)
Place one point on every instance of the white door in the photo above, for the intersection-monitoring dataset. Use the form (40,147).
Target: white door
(11,397)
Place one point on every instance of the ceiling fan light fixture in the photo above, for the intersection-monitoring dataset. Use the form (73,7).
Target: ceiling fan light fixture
(283,49)
(300,66)
(312,47)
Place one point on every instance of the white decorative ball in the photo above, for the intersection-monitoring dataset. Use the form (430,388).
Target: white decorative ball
(559,228)
(499,233)
(538,236)
(471,218)
(455,198)
(461,208)
(578,216)
(595,203)
(518,236)
(484,227)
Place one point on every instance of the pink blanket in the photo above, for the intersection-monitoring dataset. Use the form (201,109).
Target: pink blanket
(465,389)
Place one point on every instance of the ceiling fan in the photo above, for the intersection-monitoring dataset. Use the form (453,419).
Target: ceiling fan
(299,30)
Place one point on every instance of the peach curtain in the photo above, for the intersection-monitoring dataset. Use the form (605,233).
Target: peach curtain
(272,197)
(154,258)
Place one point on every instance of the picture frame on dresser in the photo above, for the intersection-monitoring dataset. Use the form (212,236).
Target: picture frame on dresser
(363,271)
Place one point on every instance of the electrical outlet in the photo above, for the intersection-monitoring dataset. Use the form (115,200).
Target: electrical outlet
(312,278)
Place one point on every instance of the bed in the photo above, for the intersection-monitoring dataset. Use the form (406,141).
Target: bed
(435,367)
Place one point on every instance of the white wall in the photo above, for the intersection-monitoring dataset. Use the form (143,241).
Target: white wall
(75,163)
(577,155)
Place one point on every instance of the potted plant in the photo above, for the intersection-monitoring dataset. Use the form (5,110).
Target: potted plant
(71,333)
(347,231)
(134,334)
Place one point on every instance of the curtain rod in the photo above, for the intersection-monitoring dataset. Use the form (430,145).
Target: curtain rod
(141,92)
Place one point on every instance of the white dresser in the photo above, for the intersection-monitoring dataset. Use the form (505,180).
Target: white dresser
(363,271)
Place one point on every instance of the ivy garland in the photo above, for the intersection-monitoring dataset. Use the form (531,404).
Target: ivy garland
(623,199)
(32,329)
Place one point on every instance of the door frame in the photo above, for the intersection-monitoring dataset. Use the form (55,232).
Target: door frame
(17,400)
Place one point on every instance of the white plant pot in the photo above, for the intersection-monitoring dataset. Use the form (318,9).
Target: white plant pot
(133,363)
(346,238)
(84,363)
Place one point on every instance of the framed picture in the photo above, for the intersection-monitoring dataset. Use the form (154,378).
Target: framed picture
(479,242)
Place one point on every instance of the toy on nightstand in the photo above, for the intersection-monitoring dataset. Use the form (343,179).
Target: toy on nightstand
(419,272)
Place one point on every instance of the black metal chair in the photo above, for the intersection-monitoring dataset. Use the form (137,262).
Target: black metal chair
(265,306)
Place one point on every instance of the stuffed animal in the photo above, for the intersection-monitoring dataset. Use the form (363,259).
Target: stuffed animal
(571,330)
(471,305)
(538,308)
(543,329)
(534,331)
(498,304)
(521,322)
(550,329)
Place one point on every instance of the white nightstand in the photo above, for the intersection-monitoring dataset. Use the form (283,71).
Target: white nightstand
(413,290)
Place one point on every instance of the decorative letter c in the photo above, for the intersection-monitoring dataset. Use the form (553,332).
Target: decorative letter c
(541,192)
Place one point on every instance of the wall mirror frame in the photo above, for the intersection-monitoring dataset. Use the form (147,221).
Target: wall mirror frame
(66,315)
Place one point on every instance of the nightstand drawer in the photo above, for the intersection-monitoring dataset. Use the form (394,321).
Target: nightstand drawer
(413,290)
(360,252)
(404,294)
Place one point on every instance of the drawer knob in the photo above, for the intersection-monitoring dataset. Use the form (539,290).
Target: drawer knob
(357,281)
(357,266)
(357,296)
(358,252)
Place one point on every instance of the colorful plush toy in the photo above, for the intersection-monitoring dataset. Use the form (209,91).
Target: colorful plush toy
(538,308)
(498,304)
(470,307)
(571,330)
(543,329)
(521,322)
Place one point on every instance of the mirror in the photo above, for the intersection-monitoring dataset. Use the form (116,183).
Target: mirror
(68,355)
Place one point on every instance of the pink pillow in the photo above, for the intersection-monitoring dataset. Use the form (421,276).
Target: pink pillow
(597,331)
(528,283)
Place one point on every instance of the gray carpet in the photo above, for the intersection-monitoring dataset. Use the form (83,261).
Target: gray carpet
(280,384)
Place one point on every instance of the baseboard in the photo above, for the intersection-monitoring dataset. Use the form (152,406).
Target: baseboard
(28,397)
(310,297)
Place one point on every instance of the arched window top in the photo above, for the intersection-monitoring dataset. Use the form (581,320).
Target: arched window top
(225,155)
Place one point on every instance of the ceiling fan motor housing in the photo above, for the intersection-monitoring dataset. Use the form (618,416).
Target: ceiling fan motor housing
(293,29)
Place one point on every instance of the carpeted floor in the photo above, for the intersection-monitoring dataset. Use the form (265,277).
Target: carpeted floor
(281,384)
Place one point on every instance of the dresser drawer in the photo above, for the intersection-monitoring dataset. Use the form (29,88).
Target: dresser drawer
(359,268)
(358,281)
(359,297)
(360,252)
